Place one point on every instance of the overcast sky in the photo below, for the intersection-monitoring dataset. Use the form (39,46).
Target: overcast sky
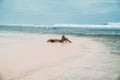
(59,11)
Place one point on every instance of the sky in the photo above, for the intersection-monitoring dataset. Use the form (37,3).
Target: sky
(59,11)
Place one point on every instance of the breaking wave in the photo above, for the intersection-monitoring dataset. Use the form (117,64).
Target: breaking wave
(70,29)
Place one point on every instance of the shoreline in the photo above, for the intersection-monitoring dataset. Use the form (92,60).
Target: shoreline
(30,57)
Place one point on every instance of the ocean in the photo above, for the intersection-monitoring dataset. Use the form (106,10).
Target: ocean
(109,36)
(64,29)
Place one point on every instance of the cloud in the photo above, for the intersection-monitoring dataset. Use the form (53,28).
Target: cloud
(1,1)
(101,6)
(59,10)
(60,6)
(106,7)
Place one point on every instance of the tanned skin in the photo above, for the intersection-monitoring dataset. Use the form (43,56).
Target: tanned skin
(62,40)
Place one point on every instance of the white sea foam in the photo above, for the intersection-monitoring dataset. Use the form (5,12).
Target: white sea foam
(109,25)
(90,25)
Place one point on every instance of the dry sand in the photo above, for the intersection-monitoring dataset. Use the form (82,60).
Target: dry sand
(30,57)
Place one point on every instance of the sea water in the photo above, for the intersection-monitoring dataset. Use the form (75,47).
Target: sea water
(70,30)
(109,36)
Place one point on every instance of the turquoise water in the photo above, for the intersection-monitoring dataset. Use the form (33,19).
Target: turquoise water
(82,31)
(109,36)
(113,43)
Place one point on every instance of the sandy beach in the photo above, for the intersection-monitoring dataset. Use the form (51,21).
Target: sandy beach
(30,57)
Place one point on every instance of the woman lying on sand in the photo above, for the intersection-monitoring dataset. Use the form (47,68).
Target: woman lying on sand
(62,40)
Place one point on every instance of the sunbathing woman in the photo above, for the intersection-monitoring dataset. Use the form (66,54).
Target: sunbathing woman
(62,40)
